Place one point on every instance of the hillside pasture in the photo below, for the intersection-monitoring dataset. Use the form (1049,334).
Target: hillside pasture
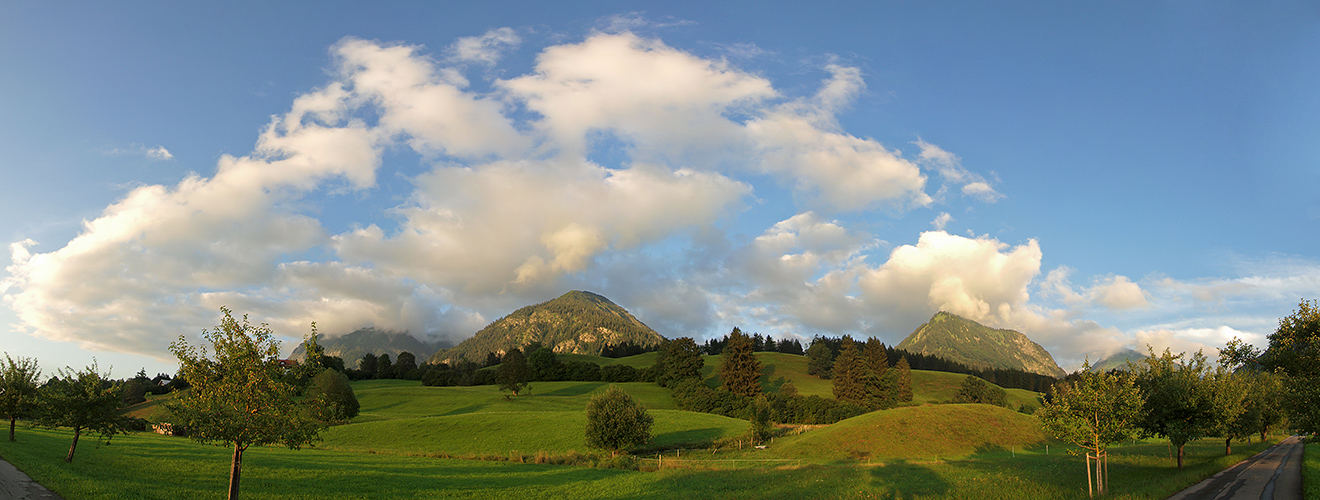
(134,466)
(402,417)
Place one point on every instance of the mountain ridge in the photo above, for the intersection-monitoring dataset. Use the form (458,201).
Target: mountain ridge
(962,340)
(577,322)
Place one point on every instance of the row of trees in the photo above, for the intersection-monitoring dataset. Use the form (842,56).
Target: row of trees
(861,374)
(760,343)
(1183,398)
(824,351)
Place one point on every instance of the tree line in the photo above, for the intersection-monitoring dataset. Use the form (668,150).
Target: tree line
(824,350)
(1185,397)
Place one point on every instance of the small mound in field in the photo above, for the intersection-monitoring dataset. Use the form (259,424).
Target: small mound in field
(945,431)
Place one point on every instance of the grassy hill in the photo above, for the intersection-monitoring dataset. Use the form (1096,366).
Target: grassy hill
(929,431)
(401,417)
(962,340)
(576,322)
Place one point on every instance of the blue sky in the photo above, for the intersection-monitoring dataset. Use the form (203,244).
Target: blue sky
(1096,176)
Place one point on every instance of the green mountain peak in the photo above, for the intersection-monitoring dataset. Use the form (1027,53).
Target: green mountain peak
(577,322)
(962,340)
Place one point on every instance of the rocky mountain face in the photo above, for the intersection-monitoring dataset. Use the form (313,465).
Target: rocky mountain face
(959,339)
(577,322)
(353,346)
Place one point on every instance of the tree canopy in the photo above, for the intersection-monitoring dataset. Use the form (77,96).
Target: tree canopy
(514,371)
(1295,352)
(1179,396)
(83,400)
(239,395)
(680,359)
(330,397)
(740,370)
(1094,410)
(616,422)
(18,389)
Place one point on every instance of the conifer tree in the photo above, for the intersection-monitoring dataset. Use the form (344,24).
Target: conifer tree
(880,385)
(904,379)
(741,371)
(848,371)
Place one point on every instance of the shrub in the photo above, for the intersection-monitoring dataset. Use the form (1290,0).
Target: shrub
(616,422)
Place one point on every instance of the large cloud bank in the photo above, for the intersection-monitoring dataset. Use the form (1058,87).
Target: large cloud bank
(510,207)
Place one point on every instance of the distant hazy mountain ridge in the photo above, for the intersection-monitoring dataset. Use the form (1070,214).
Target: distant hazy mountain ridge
(353,346)
(576,323)
(1117,360)
(959,339)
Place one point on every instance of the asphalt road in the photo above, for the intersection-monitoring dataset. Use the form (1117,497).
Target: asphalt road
(16,485)
(1273,474)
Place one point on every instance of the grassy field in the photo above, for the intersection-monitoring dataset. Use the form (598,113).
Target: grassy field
(149,466)
(402,417)
(929,432)
(1311,471)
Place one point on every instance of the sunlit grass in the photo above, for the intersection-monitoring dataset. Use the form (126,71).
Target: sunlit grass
(1311,471)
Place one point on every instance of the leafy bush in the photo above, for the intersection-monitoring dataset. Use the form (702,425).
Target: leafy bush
(616,422)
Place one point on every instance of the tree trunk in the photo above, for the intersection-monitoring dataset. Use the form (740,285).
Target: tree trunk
(1180,455)
(74,446)
(1262,435)
(1228,447)
(235,472)
(1089,491)
(11,427)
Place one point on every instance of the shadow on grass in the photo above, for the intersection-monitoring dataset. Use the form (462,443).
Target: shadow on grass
(464,410)
(573,390)
(902,480)
(693,437)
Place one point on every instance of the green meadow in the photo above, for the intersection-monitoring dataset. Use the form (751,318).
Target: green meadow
(412,441)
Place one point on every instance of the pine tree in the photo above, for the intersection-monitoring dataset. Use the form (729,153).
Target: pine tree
(741,371)
(848,372)
(904,379)
(880,386)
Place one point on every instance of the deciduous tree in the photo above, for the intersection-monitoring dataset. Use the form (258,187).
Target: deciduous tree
(513,372)
(740,370)
(1295,351)
(1093,411)
(680,359)
(331,399)
(1179,398)
(616,422)
(83,400)
(18,389)
(239,397)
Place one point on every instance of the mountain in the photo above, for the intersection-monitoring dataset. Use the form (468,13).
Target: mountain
(1117,360)
(959,339)
(353,346)
(577,323)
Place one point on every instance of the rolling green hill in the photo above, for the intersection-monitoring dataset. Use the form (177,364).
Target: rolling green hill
(959,339)
(401,417)
(928,431)
(575,323)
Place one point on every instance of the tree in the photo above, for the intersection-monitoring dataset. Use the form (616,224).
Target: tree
(1179,399)
(904,379)
(616,422)
(680,359)
(880,385)
(1091,412)
(405,363)
(513,372)
(18,389)
(820,359)
(330,398)
(384,369)
(976,390)
(84,400)
(368,364)
(740,370)
(848,371)
(543,363)
(239,397)
(1295,351)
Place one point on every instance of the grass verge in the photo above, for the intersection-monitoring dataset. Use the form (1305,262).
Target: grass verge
(1311,469)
